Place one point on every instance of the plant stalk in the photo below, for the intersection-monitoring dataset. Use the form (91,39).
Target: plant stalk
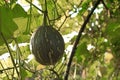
(78,38)
(12,59)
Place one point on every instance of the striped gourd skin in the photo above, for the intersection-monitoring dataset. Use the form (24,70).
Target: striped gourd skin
(47,45)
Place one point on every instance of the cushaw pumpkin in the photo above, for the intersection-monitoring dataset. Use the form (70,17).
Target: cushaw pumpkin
(47,45)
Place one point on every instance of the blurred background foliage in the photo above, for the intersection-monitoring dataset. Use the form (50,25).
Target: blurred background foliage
(98,53)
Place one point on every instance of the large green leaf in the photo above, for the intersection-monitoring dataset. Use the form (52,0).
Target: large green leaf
(13,22)
(7,25)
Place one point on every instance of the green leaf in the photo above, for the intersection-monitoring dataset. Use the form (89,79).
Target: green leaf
(22,24)
(20,19)
(23,38)
(14,24)
(85,6)
(82,52)
(7,25)
(52,9)
(38,18)
(112,26)
(111,1)
(3,49)
(19,10)
(113,30)
(24,73)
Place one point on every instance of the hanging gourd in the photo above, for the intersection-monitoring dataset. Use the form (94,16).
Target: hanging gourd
(47,44)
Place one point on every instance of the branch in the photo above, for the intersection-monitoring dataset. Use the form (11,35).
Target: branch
(34,6)
(4,71)
(54,72)
(104,4)
(12,59)
(9,68)
(64,19)
(109,15)
(78,38)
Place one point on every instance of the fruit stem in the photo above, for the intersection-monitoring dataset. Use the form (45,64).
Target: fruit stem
(45,15)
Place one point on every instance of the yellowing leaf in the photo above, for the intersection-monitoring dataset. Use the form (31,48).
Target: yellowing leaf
(107,57)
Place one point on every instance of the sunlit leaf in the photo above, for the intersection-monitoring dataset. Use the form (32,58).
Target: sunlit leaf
(7,25)
(21,23)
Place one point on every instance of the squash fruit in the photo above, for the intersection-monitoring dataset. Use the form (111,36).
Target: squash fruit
(47,45)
